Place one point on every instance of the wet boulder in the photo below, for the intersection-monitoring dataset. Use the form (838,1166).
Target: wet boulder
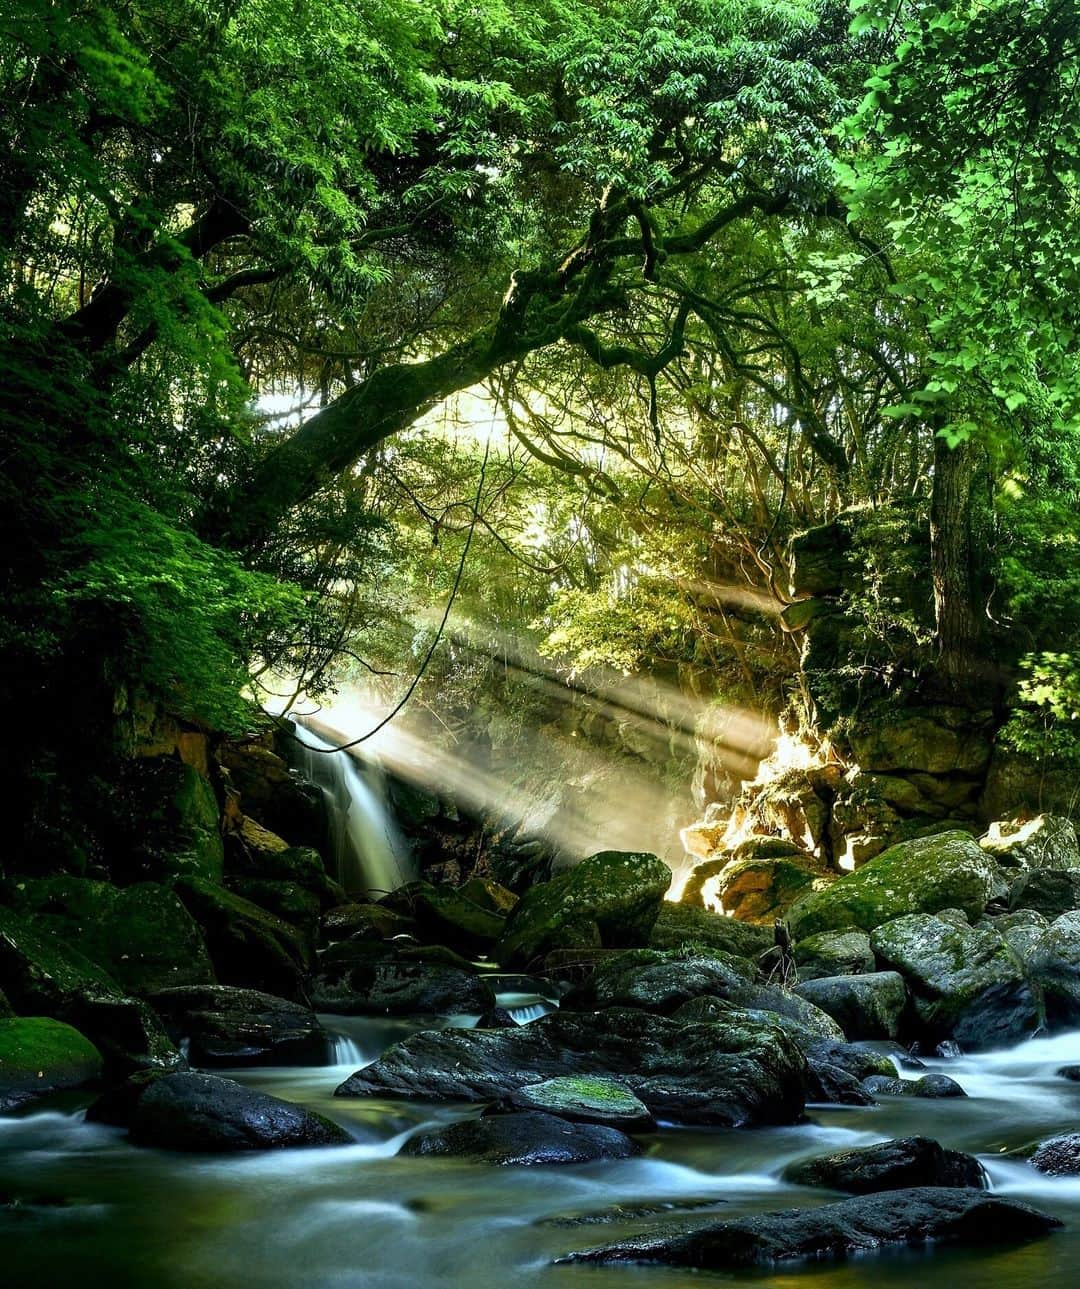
(203,1112)
(737,1074)
(663,981)
(227,1026)
(834,953)
(889,1166)
(39,1055)
(361,978)
(142,935)
(942,871)
(526,1139)
(1054,964)
(586,1100)
(447,916)
(932,1087)
(1058,1156)
(610,900)
(966,984)
(1049,891)
(678,925)
(931,1215)
(870,1006)
(248,945)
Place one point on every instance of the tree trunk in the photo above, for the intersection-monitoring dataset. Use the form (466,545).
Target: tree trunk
(959,618)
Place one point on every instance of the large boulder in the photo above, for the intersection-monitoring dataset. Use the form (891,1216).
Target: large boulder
(869,1006)
(610,899)
(40,973)
(40,1055)
(1049,891)
(1054,964)
(678,925)
(141,935)
(227,1026)
(889,1166)
(664,981)
(966,983)
(834,953)
(525,1140)
(447,916)
(741,1073)
(586,1100)
(248,945)
(934,1215)
(759,891)
(363,977)
(944,871)
(203,1112)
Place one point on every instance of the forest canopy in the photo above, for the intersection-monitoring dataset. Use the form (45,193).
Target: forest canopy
(710,274)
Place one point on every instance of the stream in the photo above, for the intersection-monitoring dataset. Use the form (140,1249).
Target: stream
(358,1216)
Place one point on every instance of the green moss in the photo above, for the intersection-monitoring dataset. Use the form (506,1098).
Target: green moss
(42,973)
(946,870)
(39,1055)
(141,935)
(610,899)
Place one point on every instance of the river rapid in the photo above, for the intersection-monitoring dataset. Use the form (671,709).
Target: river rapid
(358,1216)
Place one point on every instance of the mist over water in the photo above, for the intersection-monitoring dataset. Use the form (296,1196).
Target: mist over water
(360,1216)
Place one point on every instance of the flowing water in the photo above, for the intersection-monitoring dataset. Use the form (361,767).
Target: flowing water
(359,1216)
(366,851)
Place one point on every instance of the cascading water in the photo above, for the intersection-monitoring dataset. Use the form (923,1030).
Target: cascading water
(367,852)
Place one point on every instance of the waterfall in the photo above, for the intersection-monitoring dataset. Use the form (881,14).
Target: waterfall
(367,852)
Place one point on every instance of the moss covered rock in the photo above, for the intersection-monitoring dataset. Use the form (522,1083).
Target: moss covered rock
(582,1099)
(678,925)
(40,1055)
(1054,964)
(946,870)
(611,899)
(447,916)
(141,935)
(834,953)
(286,900)
(759,891)
(40,973)
(176,821)
(869,1006)
(364,922)
(362,977)
(248,946)
(966,983)
(1047,841)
